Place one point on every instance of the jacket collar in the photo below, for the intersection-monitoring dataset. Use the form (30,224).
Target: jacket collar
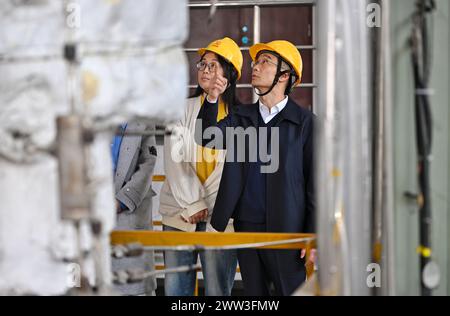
(291,112)
(251,111)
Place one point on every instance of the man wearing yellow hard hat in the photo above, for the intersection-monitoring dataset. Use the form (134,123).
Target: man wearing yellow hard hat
(281,200)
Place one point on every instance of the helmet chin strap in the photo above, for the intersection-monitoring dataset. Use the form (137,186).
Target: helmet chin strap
(277,76)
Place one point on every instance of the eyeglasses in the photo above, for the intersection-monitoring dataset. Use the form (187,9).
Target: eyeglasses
(262,62)
(212,67)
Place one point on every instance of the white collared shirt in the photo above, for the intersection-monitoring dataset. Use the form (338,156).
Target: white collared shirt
(268,114)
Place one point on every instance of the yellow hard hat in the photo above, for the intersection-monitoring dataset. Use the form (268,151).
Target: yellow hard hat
(286,50)
(228,49)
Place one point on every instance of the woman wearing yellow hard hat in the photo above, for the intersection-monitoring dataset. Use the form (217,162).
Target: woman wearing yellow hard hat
(189,192)
(227,54)
(275,196)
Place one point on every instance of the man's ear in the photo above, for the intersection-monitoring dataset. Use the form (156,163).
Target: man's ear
(284,77)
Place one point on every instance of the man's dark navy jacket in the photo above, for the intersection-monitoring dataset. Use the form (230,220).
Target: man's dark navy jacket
(290,198)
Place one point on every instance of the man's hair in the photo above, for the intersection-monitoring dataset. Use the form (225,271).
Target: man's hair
(290,83)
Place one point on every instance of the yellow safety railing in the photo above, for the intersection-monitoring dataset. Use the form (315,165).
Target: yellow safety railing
(161,239)
(159,178)
(203,240)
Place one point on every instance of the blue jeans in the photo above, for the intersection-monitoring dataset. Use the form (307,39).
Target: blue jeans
(219,269)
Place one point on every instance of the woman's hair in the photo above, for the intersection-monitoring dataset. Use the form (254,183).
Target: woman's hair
(229,97)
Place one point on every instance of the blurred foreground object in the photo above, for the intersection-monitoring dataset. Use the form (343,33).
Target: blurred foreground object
(91,65)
